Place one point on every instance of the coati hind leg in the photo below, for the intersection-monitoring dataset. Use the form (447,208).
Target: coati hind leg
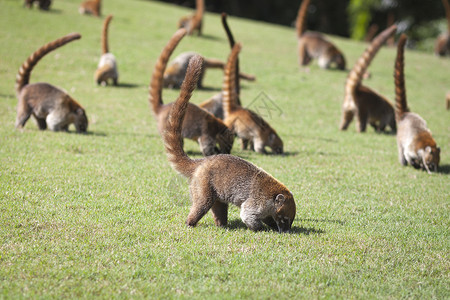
(347,118)
(219,211)
(202,199)
(303,56)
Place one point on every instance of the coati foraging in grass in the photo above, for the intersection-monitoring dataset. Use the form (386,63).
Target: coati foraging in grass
(246,124)
(315,45)
(194,22)
(218,180)
(176,71)
(442,46)
(214,104)
(367,105)
(43,4)
(416,145)
(49,105)
(107,66)
(90,7)
(198,124)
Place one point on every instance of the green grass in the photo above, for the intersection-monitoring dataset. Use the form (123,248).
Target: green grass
(103,214)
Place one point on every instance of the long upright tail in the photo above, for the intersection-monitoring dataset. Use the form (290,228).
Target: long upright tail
(300,23)
(198,16)
(446,4)
(400,92)
(23,76)
(356,74)
(229,101)
(105,48)
(232,42)
(172,135)
(156,83)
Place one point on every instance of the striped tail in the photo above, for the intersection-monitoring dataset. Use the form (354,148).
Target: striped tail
(23,76)
(232,42)
(400,92)
(300,23)
(156,83)
(198,16)
(229,101)
(172,135)
(356,74)
(105,48)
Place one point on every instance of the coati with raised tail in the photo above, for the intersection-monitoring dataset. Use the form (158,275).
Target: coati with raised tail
(442,46)
(49,105)
(176,71)
(246,124)
(107,66)
(194,22)
(218,180)
(416,145)
(214,104)
(43,4)
(90,7)
(315,45)
(368,106)
(198,125)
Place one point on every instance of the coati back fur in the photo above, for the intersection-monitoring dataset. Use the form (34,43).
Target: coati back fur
(194,22)
(218,180)
(176,71)
(368,106)
(107,66)
(315,45)
(49,105)
(442,46)
(198,125)
(416,145)
(214,104)
(90,7)
(43,4)
(246,124)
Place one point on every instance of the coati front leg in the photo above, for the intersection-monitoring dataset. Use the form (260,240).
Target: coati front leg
(250,216)
(361,120)
(269,221)
(42,124)
(219,211)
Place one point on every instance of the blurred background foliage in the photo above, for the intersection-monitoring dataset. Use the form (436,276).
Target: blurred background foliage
(422,20)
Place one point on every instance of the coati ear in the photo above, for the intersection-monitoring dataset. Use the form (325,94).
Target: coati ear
(279,199)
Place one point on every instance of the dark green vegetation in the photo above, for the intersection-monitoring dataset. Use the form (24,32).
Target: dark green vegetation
(103,214)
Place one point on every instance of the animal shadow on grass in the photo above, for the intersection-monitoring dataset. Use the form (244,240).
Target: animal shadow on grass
(211,37)
(127,85)
(238,224)
(444,169)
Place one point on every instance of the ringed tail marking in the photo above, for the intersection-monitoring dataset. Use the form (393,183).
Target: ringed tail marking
(172,138)
(105,48)
(23,76)
(229,89)
(300,22)
(232,42)
(356,74)
(156,83)
(400,92)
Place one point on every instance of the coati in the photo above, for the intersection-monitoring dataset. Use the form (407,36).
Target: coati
(416,145)
(246,124)
(442,46)
(107,66)
(367,105)
(198,125)
(315,45)
(214,104)
(43,4)
(90,7)
(49,105)
(176,71)
(218,180)
(194,22)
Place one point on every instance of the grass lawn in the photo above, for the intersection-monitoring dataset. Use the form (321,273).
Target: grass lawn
(102,215)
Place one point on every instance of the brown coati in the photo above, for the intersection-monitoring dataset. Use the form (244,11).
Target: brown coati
(442,46)
(107,66)
(246,124)
(194,22)
(416,145)
(218,180)
(367,105)
(315,45)
(176,70)
(49,105)
(198,125)
(90,7)
(214,104)
(43,4)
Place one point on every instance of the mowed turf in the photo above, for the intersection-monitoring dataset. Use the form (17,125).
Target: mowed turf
(102,215)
